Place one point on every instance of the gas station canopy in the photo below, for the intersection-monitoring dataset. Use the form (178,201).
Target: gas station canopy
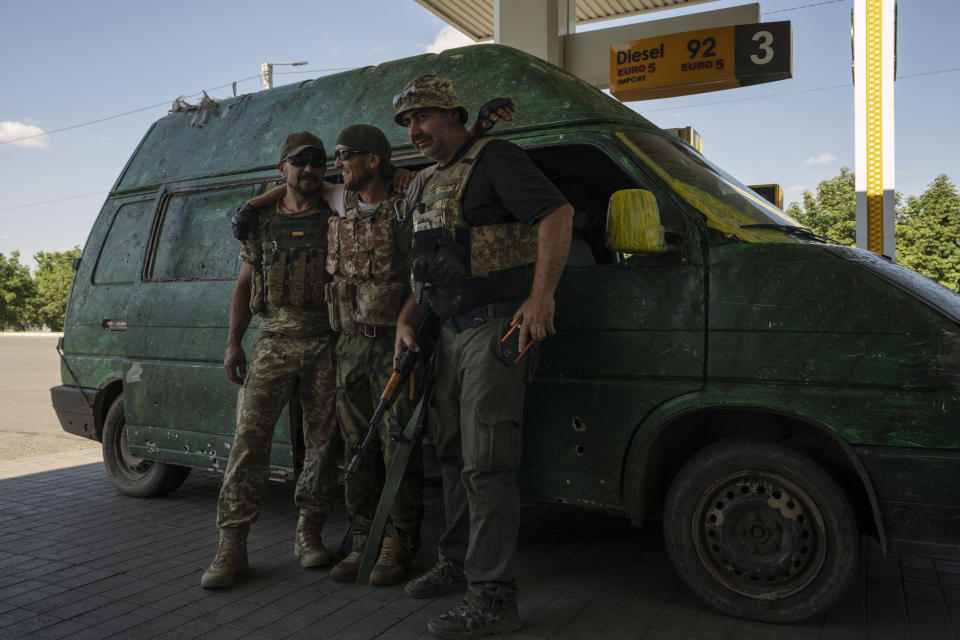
(475,17)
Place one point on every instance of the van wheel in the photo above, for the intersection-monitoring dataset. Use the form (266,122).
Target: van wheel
(758,529)
(132,475)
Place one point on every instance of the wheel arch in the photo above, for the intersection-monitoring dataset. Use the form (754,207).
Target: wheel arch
(109,391)
(676,436)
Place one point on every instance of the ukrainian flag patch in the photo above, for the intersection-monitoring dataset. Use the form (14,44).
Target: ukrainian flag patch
(297,232)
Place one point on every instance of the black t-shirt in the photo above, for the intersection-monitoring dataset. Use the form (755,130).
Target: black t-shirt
(504,186)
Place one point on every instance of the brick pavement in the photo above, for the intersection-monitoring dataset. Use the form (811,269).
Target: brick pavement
(80,561)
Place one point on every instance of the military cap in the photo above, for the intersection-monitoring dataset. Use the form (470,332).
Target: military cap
(366,137)
(427,91)
(297,142)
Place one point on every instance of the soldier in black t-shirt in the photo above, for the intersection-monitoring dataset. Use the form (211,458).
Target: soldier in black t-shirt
(490,240)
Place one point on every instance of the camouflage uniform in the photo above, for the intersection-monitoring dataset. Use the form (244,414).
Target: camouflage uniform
(367,257)
(293,354)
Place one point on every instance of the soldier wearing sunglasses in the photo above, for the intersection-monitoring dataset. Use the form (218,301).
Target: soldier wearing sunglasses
(364,299)
(282,278)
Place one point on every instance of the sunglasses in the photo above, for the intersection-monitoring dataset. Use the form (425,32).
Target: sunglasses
(302,161)
(409,91)
(347,153)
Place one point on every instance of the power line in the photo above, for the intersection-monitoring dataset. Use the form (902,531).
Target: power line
(645,111)
(117,115)
(37,204)
(804,6)
(928,73)
(153,106)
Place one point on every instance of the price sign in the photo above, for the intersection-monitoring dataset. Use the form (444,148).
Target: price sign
(699,61)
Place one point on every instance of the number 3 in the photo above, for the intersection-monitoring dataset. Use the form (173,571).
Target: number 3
(765,39)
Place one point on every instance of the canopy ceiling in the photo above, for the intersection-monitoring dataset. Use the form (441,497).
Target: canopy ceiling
(475,17)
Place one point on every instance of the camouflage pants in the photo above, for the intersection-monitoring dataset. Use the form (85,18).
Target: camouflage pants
(364,366)
(279,367)
(476,412)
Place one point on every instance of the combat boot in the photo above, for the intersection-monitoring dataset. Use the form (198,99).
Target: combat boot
(309,545)
(230,561)
(348,568)
(442,578)
(391,566)
(476,617)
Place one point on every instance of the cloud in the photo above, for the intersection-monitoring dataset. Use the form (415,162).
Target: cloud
(824,158)
(797,188)
(14,130)
(448,38)
(4,237)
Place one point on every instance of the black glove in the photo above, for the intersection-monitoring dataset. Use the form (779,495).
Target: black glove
(483,122)
(244,221)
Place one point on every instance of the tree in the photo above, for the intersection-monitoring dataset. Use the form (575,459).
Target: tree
(833,211)
(928,233)
(17,291)
(53,278)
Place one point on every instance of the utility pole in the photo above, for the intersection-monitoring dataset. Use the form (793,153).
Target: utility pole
(266,71)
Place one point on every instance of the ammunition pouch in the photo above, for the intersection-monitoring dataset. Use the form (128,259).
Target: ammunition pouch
(379,303)
(352,304)
(294,261)
(257,298)
(341,305)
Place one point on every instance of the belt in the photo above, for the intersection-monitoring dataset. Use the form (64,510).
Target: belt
(481,315)
(368,330)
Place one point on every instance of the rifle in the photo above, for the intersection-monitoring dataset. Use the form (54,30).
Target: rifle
(426,339)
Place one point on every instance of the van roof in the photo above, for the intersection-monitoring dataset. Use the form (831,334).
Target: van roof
(244,133)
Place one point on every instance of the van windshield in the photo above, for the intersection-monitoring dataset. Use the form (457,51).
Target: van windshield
(728,206)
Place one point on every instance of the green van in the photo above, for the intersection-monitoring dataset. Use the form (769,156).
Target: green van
(767,395)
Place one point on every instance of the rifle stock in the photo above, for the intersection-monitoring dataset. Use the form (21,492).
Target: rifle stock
(426,339)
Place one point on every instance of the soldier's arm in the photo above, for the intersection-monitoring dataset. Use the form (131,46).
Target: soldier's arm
(234,359)
(553,245)
(411,315)
(268,198)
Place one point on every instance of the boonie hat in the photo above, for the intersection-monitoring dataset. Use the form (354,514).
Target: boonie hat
(366,137)
(297,142)
(427,91)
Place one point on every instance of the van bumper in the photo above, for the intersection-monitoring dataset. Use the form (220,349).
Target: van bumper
(74,407)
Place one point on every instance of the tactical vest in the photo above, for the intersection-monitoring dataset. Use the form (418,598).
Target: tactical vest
(294,257)
(487,248)
(370,282)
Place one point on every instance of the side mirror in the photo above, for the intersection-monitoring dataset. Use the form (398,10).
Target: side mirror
(633,223)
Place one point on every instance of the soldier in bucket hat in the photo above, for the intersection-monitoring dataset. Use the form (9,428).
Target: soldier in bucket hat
(491,235)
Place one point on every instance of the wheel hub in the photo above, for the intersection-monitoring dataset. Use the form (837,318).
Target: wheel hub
(132,465)
(760,535)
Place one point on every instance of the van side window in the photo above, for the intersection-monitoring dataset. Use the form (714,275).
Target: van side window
(193,240)
(119,258)
(586,176)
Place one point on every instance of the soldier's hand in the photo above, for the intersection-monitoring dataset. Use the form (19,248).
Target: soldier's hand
(401,179)
(536,319)
(235,363)
(406,335)
(492,112)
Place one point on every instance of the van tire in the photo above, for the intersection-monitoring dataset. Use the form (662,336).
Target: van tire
(132,475)
(759,529)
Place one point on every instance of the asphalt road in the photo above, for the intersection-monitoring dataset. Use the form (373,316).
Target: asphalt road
(29,366)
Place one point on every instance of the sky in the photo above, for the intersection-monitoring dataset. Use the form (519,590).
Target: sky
(70,63)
